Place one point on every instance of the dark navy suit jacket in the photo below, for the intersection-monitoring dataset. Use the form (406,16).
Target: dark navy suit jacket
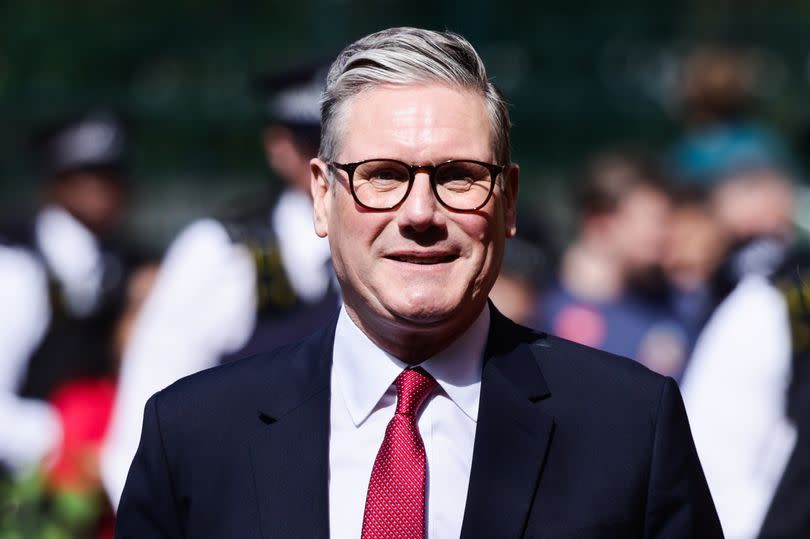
(570,443)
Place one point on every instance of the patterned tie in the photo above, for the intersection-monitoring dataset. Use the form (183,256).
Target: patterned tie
(395,505)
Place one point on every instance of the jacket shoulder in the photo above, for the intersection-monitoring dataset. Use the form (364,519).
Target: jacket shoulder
(605,380)
(581,379)
(591,362)
(243,386)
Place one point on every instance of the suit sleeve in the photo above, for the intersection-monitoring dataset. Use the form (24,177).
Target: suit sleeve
(679,505)
(149,507)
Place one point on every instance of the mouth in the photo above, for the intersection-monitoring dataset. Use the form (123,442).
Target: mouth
(422,259)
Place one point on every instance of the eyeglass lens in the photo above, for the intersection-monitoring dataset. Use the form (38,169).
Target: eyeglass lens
(461,185)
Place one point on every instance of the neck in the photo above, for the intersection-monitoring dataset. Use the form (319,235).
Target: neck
(412,343)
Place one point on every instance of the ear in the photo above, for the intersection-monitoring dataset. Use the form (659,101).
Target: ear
(511,177)
(320,186)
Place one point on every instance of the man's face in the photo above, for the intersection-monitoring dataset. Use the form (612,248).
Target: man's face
(421,266)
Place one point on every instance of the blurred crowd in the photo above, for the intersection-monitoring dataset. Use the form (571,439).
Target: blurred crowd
(686,259)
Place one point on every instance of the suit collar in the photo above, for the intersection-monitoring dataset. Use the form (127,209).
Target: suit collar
(512,350)
(290,451)
(296,373)
(512,437)
(364,372)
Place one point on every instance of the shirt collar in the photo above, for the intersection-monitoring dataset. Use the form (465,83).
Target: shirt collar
(365,372)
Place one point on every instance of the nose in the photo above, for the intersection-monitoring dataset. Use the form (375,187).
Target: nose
(421,211)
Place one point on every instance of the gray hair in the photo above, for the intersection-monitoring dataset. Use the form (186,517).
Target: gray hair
(409,56)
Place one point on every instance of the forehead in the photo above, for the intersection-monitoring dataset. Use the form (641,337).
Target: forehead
(416,123)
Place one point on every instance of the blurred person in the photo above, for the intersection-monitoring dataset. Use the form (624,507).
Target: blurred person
(68,266)
(716,93)
(697,245)
(29,428)
(609,293)
(85,405)
(736,386)
(526,265)
(742,164)
(755,202)
(737,390)
(64,497)
(525,434)
(754,209)
(254,279)
(788,514)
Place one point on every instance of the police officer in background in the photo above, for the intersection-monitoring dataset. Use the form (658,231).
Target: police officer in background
(63,273)
(230,286)
(295,286)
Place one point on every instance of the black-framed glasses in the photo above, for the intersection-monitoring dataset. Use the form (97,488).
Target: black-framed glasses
(383,184)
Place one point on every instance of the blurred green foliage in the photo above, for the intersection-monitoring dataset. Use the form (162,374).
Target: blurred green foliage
(28,510)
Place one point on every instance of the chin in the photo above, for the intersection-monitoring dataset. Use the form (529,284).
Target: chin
(425,318)
(427,310)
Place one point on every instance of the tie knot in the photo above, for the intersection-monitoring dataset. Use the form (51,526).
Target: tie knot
(413,388)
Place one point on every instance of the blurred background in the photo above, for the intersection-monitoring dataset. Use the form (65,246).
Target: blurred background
(153,221)
(579,76)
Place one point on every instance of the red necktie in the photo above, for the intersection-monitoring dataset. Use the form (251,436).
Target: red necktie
(395,505)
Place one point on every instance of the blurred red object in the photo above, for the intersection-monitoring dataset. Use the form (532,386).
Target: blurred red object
(84,408)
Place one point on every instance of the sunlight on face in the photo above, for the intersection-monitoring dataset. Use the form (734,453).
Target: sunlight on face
(420,265)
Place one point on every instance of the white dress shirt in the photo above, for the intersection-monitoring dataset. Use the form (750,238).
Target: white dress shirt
(735,392)
(363,401)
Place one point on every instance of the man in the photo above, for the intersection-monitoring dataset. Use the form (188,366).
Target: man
(498,431)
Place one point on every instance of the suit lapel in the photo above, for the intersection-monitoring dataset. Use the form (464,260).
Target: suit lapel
(290,453)
(512,435)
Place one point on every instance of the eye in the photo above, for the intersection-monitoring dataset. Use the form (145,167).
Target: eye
(381,174)
(461,175)
(453,173)
(388,174)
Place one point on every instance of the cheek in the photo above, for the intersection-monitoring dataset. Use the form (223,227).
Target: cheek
(485,240)
(354,235)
